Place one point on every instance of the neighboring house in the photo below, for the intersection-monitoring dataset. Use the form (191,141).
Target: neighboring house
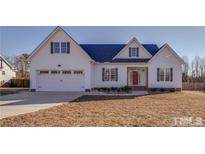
(7,72)
(59,63)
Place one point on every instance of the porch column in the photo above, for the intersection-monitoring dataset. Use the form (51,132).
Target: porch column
(127,76)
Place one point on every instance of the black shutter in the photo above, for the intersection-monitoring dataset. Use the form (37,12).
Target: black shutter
(68,47)
(157,74)
(129,52)
(116,71)
(51,47)
(171,69)
(137,52)
(103,74)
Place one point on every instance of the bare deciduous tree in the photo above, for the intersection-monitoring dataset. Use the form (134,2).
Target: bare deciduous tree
(195,73)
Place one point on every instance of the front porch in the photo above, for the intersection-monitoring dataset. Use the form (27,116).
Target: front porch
(137,78)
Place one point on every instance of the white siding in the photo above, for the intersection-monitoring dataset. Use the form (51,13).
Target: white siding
(165,59)
(122,76)
(79,60)
(76,60)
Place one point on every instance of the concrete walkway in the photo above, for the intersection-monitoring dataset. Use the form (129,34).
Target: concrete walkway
(25,102)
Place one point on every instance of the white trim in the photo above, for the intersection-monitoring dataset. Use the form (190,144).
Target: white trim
(49,36)
(128,44)
(162,49)
(110,63)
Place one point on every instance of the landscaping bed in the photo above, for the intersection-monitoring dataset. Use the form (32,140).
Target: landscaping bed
(114,90)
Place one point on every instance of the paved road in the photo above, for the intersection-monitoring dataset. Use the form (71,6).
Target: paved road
(25,102)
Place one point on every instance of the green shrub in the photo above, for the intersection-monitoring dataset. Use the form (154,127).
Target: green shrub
(125,88)
(98,89)
(108,89)
(162,89)
(153,89)
(113,89)
(172,90)
(104,89)
(118,90)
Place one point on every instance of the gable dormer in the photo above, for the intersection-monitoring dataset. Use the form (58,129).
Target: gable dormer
(133,50)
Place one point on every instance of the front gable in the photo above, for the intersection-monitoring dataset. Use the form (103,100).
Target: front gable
(58,35)
(44,58)
(134,43)
(167,54)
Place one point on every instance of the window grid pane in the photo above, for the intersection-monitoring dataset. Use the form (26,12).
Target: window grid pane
(161,74)
(63,47)
(134,52)
(113,74)
(56,47)
(107,74)
(168,74)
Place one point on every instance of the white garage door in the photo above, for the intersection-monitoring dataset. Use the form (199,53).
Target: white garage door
(65,80)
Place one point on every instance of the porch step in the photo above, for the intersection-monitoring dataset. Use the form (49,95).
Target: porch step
(138,88)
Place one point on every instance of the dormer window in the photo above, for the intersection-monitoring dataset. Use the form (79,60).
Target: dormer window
(133,52)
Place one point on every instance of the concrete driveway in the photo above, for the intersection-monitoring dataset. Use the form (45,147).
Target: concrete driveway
(25,102)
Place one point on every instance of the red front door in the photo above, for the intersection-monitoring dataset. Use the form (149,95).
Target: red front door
(135,78)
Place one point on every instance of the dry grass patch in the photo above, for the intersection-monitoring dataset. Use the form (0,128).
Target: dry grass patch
(151,110)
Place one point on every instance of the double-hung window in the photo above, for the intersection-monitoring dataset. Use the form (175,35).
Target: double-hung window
(161,74)
(133,52)
(113,74)
(56,47)
(164,74)
(106,75)
(60,47)
(63,47)
(168,74)
(109,74)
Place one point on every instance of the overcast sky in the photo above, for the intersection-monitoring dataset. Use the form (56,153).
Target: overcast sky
(186,41)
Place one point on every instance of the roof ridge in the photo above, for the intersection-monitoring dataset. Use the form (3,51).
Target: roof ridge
(102,44)
(113,44)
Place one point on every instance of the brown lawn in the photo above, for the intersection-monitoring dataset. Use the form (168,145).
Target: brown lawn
(151,110)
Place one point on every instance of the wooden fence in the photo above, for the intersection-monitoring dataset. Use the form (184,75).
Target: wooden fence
(193,86)
(24,83)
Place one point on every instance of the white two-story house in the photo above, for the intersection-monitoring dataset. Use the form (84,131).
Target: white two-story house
(59,63)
